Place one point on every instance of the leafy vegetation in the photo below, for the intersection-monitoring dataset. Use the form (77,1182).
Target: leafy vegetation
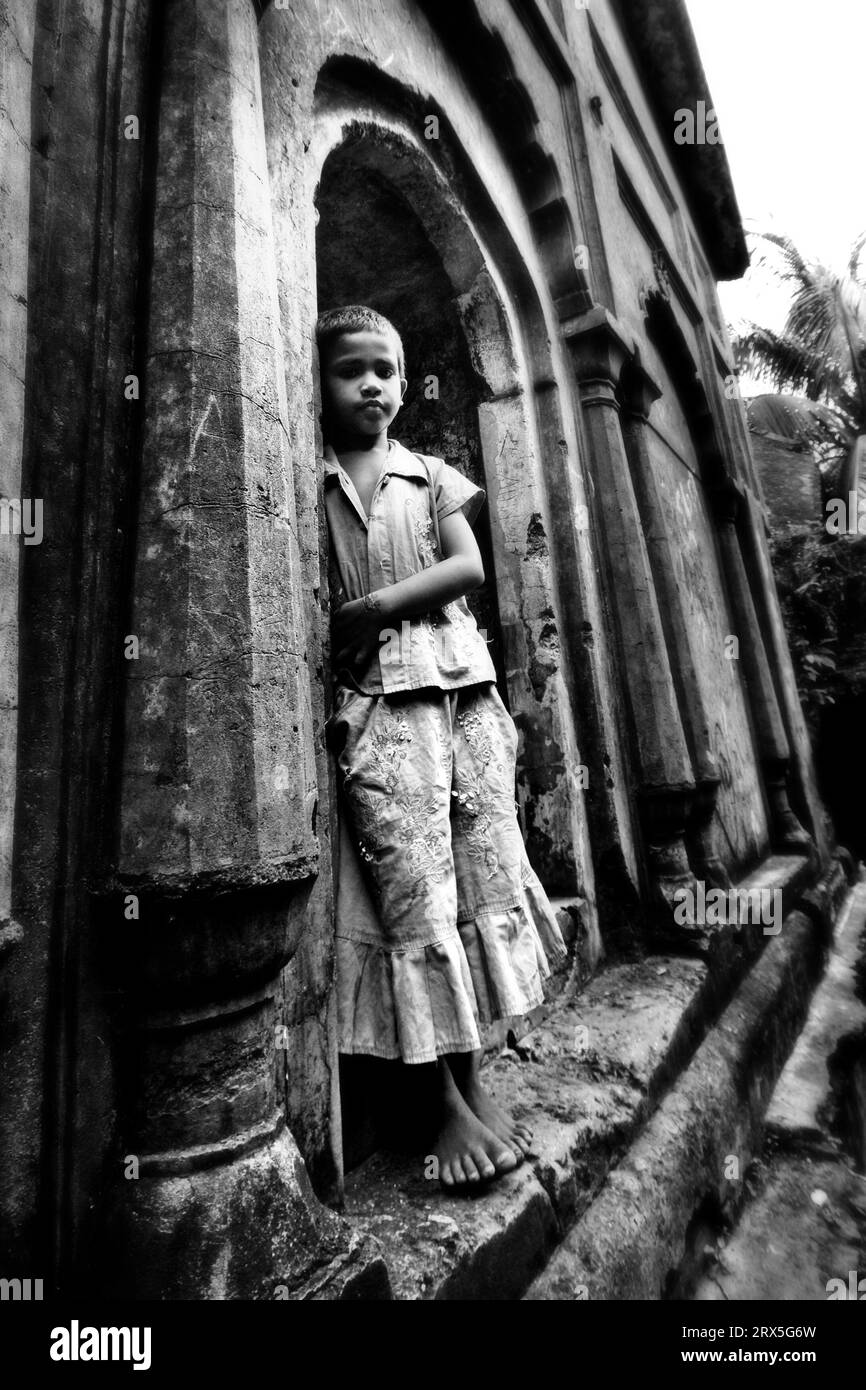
(819,357)
(822,590)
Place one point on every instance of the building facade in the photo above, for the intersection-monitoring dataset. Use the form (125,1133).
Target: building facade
(185,186)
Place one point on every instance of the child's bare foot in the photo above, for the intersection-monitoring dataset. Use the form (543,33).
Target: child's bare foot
(466,1073)
(499,1121)
(466,1150)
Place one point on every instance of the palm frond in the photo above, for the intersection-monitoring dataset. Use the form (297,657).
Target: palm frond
(799,420)
(856,257)
(783,360)
(821,350)
(793,264)
(852,296)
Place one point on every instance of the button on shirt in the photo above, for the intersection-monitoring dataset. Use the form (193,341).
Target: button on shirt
(399,538)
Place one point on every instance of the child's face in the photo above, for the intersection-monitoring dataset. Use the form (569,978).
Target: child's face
(362,389)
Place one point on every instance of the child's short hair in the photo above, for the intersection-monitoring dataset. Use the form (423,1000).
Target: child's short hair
(355,318)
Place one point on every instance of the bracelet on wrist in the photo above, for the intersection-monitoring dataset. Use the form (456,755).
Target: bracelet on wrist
(372,603)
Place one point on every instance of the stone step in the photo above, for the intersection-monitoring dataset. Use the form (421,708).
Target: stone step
(694,1152)
(587,1079)
(801,1233)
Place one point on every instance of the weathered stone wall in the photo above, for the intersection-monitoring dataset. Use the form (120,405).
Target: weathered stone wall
(16,46)
(653,236)
(19,1176)
(741,813)
(83,230)
(167,895)
(396,148)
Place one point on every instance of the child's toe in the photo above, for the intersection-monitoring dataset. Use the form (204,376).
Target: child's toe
(446,1177)
(483,1164)
(472,1173)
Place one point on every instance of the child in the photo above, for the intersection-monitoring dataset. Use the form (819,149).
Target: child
(446,924)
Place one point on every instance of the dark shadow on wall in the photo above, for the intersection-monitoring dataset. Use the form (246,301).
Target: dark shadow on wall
(840,754)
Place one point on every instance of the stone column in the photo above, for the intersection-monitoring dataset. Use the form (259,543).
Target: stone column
(774,754)
(666,792)
(639,394)
(219,798)
(16,48)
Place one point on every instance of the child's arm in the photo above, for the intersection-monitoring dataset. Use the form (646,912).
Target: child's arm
(356,629)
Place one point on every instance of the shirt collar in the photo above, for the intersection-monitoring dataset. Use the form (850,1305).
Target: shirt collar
(400,460)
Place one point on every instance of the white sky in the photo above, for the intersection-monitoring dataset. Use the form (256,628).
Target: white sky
(788,81)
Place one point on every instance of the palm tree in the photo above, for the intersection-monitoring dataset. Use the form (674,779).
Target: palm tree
(819,358)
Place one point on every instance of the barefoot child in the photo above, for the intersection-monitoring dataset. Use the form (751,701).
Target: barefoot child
(445,925)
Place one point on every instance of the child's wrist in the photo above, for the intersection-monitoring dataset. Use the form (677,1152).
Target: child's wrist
(376,601)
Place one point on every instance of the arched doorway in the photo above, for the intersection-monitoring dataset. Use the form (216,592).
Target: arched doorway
(386,236)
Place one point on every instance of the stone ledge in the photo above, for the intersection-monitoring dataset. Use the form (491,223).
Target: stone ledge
(798,1111)
(802,1221)
(583,1093)
(634,1237)
(587,1079)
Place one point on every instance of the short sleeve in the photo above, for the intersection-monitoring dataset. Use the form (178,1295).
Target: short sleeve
(452,492)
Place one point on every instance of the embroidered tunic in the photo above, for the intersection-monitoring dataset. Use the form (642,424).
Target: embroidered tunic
(399,538)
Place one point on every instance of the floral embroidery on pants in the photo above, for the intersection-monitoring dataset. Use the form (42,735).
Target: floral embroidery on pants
(428,786)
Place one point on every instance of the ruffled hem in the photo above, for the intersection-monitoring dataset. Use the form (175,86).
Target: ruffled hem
(418,1003)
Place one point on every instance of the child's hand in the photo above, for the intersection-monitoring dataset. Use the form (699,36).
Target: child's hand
(355,634)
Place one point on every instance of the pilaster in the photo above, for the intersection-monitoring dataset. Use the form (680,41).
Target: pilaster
(771,739)
(218,850)
(666,790)
(639,393)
